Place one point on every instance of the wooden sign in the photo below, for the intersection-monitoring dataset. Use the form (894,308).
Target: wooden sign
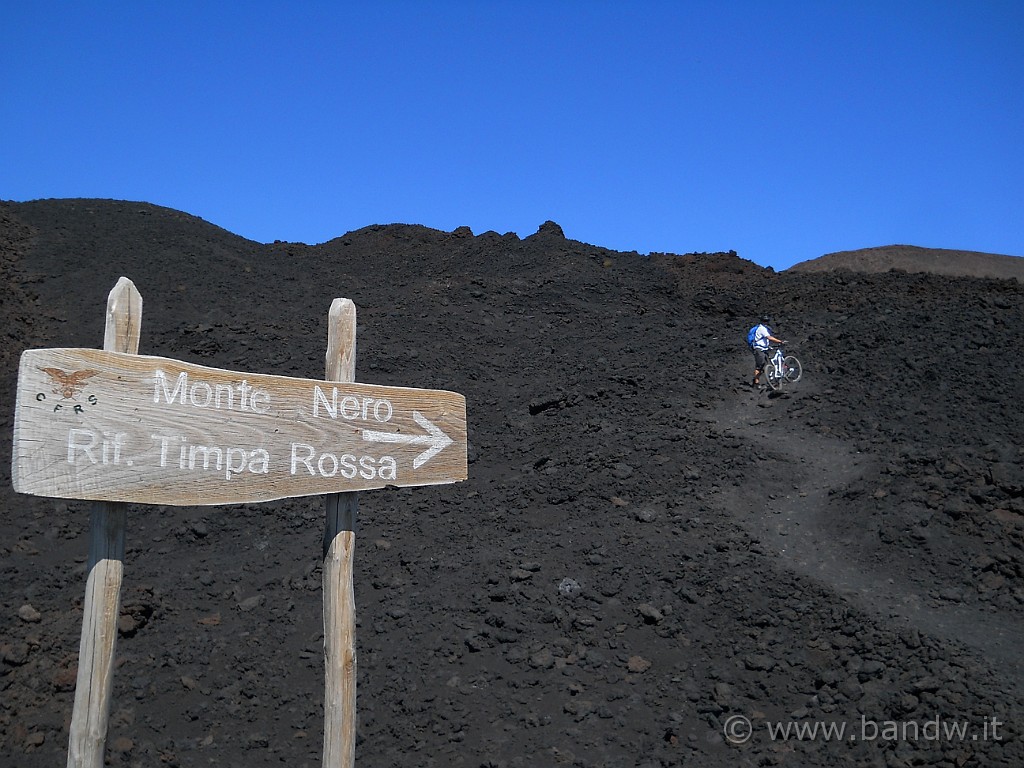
(92,424)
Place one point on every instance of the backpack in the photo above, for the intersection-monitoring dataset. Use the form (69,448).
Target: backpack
(751,334)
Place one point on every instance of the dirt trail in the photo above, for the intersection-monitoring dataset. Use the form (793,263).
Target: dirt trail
(791,520)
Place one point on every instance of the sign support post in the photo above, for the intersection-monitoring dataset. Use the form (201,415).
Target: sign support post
(117,427)
(338,585)
(91,713)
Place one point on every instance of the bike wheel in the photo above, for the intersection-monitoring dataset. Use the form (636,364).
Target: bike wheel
(793,369)
(772,377)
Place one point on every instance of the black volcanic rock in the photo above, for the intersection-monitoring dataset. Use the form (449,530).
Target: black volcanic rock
(550,229)
(646,547)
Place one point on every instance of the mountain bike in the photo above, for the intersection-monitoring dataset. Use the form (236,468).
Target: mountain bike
(782,369)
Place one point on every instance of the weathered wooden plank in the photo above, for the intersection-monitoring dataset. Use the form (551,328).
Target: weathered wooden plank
(90,716)
(101,608)
(338,585)
(93,424)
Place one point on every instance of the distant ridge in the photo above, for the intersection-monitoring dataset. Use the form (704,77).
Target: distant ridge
(911,258)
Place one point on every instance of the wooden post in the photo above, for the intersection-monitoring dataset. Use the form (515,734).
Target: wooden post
(424,432)
(91,713)
(338,587)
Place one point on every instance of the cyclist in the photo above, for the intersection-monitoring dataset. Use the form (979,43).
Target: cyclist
(760,338)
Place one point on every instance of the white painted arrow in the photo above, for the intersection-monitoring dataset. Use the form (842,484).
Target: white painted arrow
(435,438)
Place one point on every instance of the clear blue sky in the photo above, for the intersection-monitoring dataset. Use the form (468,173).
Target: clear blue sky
(783,130)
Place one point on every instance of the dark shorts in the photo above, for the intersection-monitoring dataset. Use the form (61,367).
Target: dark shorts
(760,359)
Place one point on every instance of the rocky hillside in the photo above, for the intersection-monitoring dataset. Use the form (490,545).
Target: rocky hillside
(648,555)
(910,258)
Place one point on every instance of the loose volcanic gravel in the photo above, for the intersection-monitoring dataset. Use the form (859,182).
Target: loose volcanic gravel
(651,563)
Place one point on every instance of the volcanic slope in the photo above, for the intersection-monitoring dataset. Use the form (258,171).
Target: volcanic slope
(646,549)
(909,258)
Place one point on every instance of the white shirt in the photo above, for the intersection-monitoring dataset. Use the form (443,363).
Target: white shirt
(761,337)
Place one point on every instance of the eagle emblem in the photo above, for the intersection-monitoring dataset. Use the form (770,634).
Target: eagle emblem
(67,384)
